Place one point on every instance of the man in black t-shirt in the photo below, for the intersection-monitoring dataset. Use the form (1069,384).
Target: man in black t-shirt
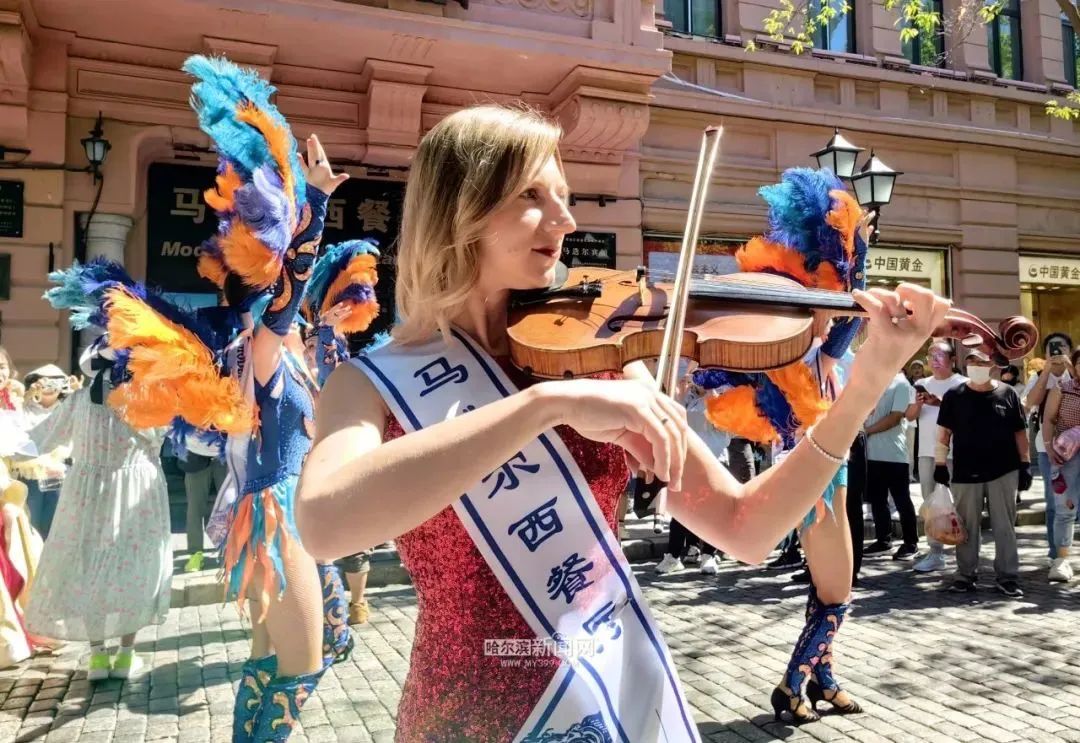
(984,421)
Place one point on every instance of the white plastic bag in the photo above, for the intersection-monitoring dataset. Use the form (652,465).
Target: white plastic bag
(940,519)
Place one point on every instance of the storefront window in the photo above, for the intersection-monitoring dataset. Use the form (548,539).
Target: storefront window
(715,256)
(1050,293)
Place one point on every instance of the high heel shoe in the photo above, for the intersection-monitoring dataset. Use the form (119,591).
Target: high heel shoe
(800,713)
(817,694)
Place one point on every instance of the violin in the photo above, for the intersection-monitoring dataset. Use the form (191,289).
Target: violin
(599,320)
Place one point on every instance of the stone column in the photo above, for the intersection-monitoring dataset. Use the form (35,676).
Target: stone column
(106,237)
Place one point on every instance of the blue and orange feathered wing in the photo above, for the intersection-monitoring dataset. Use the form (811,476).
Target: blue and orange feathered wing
(166,368)
(259,194)
(812,239)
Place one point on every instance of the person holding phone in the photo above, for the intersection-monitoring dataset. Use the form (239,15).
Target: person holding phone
(1057,370)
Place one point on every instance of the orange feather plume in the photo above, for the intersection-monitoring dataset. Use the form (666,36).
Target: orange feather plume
(762,255)
(172,372)
(248,258)
(735,412)
(844,218)
(278,139)
(797,383)
(361,269)
(223,196)
(212,269)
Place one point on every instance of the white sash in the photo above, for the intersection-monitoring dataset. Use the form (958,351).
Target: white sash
(539,528)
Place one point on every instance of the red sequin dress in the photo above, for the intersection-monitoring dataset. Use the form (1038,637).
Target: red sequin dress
(454,693)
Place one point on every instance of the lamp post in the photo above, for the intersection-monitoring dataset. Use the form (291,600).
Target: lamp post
(873,184)
(873,188)
(96,148)
(839,155)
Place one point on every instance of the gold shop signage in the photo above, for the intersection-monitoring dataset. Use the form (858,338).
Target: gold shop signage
(1049,269)
(895,263)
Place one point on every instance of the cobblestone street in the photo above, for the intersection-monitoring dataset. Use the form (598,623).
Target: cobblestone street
(926,664)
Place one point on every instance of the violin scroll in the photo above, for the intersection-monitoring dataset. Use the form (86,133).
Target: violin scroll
(1015,338)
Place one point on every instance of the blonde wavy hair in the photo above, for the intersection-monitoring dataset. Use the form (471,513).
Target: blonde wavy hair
(470,165)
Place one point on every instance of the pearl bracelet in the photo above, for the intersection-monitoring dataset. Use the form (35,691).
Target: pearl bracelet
(809,436)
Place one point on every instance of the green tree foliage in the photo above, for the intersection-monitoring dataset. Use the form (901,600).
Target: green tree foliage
(794,22)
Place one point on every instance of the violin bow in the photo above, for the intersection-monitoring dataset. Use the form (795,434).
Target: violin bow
(667,368)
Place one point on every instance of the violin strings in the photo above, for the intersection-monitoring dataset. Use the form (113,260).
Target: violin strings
(704,286)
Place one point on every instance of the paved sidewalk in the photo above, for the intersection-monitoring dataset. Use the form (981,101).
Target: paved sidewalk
(929,666)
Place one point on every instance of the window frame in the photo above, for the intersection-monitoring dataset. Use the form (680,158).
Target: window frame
(1068,50)
(939,41)
(688,6)
(822,33)
(1012,11)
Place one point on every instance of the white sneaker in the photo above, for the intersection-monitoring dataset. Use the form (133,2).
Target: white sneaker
(659,523)
(710,565)
(933,561)
(669,564)
(1060,571)
(692,555)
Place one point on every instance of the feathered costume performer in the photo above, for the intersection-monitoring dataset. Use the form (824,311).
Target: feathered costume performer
(223,377)
(340,299)
(813,238)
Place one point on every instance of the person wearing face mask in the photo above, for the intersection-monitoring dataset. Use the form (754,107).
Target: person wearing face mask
(1056,370)
(984,423)
(928,395)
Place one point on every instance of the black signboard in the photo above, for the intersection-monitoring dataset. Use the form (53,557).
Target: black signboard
(11,208)
(589,249)
(180,221)
(5,276)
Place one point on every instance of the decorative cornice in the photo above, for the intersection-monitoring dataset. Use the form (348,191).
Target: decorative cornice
(580,8)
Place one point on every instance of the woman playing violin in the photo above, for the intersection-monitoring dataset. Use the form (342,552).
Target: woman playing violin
(439,412)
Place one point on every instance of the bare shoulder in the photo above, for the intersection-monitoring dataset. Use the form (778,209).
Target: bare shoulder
(349,400)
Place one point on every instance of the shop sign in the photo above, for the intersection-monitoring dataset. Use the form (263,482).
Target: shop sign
(179,222)
(1049,269)
(897,263)
(5,276)
(11,208)
(589,249)
(713,257)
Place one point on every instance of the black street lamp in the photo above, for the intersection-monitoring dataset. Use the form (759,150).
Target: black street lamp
(873,184)
(96,148)
(873,188)
(839,155)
